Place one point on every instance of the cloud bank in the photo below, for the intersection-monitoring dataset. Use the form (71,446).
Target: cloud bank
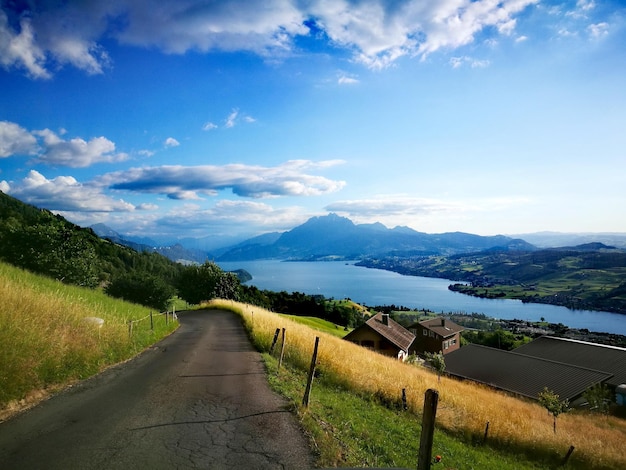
(47,147)
(252,181)
(36,37)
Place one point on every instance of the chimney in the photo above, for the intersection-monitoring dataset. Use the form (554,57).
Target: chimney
(443,322)
(386,319)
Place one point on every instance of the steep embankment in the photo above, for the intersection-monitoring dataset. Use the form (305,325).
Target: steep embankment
(47,339)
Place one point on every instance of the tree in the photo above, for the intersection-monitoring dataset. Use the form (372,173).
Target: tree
(198,283)
(437,362)
(551,402)
(228,286)
(142,288)
(599,398)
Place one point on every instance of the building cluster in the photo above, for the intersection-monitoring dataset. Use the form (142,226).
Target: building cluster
(566,367)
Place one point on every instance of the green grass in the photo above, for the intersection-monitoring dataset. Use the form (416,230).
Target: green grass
(320,325)
(46,343)
(348,429)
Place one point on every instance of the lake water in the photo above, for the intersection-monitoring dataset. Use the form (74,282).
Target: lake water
(378,287)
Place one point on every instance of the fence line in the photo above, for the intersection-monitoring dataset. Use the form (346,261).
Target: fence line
(131,323)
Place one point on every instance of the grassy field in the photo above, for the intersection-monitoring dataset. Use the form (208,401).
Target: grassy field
(320,325)
(520,432)
(47,343)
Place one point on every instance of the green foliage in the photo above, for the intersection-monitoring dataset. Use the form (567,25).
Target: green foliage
(205,282)
(142,288)
(599,398)
(551,402)
(228,286)
(37,240)
(345,312)
(437,362)
(500,339)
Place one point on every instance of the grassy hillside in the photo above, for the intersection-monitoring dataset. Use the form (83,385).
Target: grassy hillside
(520,433)
(47,343)
(586,277)
(320,325)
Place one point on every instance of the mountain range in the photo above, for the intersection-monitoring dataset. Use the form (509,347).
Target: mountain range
(333,237)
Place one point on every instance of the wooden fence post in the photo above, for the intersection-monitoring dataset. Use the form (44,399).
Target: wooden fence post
(282,351)
(130,328)
(424,458)
(151,321)
(404,405)
(275,339)
(307,392)
(486,432)
(166,318)
(567,456)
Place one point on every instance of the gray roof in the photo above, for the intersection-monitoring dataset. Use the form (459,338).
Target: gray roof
(521,374)
(610,359)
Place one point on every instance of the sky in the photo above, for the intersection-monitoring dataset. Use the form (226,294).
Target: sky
(234,118)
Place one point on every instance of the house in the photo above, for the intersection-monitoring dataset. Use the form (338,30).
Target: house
(381,334)
(521,374)
(436,335)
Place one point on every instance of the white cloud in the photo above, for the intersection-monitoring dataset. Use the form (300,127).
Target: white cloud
(65,193)
(147,207)
(394,210)
(208,126)
(180,182)
(231,119)
(376,32)
(171,142)
(77,153)
(15,140)
(5,187)
(598,30)
(457,62)
(19,49)
(229,217)
(346,80)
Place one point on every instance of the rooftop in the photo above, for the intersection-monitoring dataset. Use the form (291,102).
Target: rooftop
(442,326)
(610,359)
(391,330)
(521,374)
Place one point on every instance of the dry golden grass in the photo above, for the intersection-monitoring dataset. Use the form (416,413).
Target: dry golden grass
(464,407)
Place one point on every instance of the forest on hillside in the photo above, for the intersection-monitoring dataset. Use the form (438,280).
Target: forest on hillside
(44,243)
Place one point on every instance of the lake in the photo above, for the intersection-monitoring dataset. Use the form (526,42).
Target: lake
(339,280)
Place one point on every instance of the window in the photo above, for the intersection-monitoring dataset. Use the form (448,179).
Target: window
(425,331)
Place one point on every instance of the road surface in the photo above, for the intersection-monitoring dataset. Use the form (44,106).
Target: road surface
(198,399)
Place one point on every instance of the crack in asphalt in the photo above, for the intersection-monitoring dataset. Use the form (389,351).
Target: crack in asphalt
(225,420)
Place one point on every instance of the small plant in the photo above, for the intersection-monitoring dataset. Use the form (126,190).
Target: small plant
(437,362)
(599,398)
(551,402)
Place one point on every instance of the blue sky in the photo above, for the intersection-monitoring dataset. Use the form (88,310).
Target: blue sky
(234,118)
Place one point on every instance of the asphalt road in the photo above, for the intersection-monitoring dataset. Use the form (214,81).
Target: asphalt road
(199,399)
